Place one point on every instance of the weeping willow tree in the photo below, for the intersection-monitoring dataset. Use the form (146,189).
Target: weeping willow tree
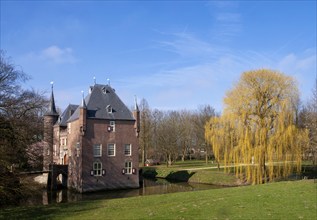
(257,132)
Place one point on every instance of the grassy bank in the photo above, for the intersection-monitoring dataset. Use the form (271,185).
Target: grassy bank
(193,172)
(196,176)
(197,171)
(282,200)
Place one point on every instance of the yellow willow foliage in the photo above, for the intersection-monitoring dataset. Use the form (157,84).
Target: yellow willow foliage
(257,131)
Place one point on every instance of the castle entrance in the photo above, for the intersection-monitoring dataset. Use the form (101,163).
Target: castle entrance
(55,171)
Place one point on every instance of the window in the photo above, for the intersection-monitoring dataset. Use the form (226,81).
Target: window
(113,125)
(97,167)
(104,90)
(127,149)
(128,167)
(61,152)
(63,142)
(97,150)
(77,149)
(111,150)
(109,109)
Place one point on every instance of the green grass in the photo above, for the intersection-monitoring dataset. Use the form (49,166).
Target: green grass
(190,164)
(214,177)
(196,171)
(281,200)
(179,172)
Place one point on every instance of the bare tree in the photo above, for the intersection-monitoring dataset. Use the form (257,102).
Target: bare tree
(20,123)
(203,115)
(145,131)
(167,135)
(186,131)
(308,120)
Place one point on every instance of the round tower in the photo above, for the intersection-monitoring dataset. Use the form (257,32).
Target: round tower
(50,118)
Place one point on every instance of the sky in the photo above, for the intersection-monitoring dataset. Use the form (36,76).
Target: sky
(174,54)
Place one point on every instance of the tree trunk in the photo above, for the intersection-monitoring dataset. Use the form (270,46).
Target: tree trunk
(206,155)
(169,160)
(143,157)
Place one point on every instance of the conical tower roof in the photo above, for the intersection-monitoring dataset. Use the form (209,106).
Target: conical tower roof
(51,108)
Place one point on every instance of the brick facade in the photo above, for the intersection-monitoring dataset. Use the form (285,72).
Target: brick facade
(73,143)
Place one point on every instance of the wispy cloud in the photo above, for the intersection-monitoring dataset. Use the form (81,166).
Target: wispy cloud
(208,78)
(226,20)
(228,17)
(297,63)
(185,44)
(303,67)
(54,54)
(58,55)
(222,4)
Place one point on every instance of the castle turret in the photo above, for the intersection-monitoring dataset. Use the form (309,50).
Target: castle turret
(82,116)
(50,118)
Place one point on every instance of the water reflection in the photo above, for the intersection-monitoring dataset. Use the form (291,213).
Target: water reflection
(149,187)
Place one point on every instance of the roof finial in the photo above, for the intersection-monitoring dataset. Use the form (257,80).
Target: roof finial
(94,80)
(52,85)
(108,81)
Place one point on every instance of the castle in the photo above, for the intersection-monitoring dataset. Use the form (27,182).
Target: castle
(97,140)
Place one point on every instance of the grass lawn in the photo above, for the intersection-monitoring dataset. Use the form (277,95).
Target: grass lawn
(281,200)
(179,172)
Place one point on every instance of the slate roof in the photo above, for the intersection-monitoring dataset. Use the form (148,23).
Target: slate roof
(98,102)
(51,111)
(62,121)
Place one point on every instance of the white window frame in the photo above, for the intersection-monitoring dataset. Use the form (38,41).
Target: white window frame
(109,109)
(128,167)
(114,150)
(97,168)
(113,126)
(97,152)
(130,150)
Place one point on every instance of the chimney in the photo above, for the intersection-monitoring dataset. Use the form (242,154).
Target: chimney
(136,115)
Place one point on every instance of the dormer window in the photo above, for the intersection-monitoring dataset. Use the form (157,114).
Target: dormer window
(105,90)
(109,109)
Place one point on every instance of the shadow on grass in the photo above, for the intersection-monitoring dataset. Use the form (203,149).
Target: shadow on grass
(177,176)
(309,171)
(181,176)
(149,172)
(48,212)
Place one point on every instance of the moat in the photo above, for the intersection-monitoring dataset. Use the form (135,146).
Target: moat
(149,187)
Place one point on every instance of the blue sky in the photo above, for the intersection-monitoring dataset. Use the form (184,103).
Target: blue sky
(175,54)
